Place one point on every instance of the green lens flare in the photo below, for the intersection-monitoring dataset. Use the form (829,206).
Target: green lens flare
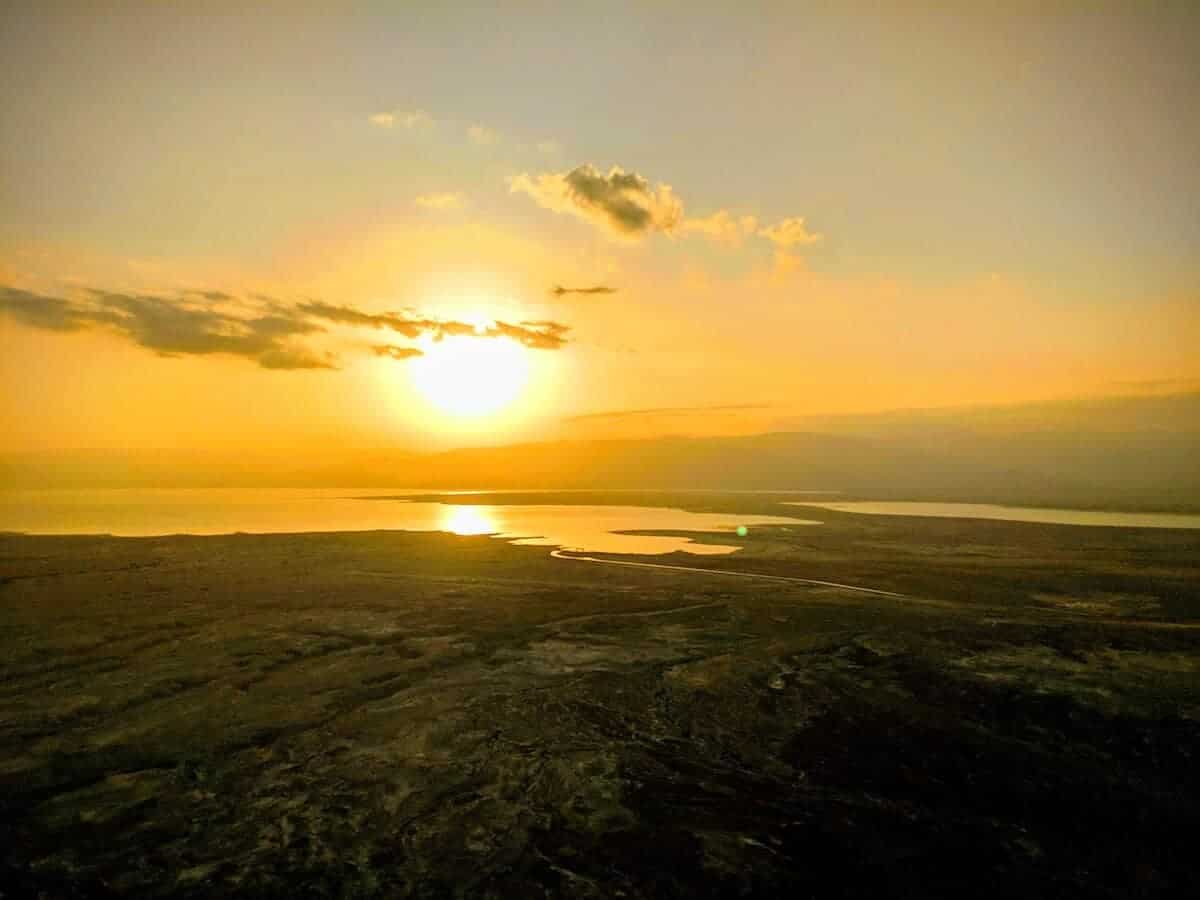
(742,531)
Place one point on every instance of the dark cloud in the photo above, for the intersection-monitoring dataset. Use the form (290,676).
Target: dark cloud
(395,352)
(620,196)
(50,313)
(558,290)
(175,326)
(261,329)
(451,328)
(346,315)
(295,358)
(172,327)
(628,205)
(539,335)
(623,201)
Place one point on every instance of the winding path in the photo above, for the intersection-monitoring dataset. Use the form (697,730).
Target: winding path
(560,554)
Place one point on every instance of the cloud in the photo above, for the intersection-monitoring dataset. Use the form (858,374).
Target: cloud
(266,331)
(558,290)
(295,358)
(418,118)
(624,202)
(172,327)
(542,335)
(347,315)
(175,326)
(548,147)
(49,313)
(443,201)
(538,335)
(786,234)
(722,228)
(789,233)
(395,352)
(627,204)
(482,135)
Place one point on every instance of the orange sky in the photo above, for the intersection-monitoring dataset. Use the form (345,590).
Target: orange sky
(258,230)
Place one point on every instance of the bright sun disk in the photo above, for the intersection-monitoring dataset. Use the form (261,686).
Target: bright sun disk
(467,520)
(465,376)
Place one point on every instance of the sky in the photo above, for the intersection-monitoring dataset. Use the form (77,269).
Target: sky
(305,227)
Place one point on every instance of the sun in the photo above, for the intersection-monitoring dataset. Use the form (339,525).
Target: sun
(468,520)
(470,377)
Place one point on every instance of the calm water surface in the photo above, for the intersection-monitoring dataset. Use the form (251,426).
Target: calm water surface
(135,513)
(1011,513)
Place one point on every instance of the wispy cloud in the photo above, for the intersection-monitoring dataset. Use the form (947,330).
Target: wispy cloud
(442,201)
(540,335)
(629,206)
(722,227)
(273,334)
(415,119)
(214,296)
(482,135)
(391,350)
(786,235)
(543,335)
(176,326)
(558,290)
(789,233)
(623,202)
(348,315)
(49,313)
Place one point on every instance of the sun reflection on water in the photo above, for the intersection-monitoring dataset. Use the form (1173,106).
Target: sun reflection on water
(467,520)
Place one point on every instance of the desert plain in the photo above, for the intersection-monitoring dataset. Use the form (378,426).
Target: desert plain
(389,714)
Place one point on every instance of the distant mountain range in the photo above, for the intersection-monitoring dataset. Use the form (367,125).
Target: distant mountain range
(1132,453)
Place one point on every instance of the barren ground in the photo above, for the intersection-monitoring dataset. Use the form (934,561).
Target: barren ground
(393,714)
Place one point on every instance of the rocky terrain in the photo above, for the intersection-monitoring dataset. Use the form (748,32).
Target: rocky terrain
(393,714)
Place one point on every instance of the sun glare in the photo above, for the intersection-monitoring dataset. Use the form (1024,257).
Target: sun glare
(467,520)
(464,376)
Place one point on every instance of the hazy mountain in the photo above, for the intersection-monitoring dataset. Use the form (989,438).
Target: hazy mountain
(1129,452)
